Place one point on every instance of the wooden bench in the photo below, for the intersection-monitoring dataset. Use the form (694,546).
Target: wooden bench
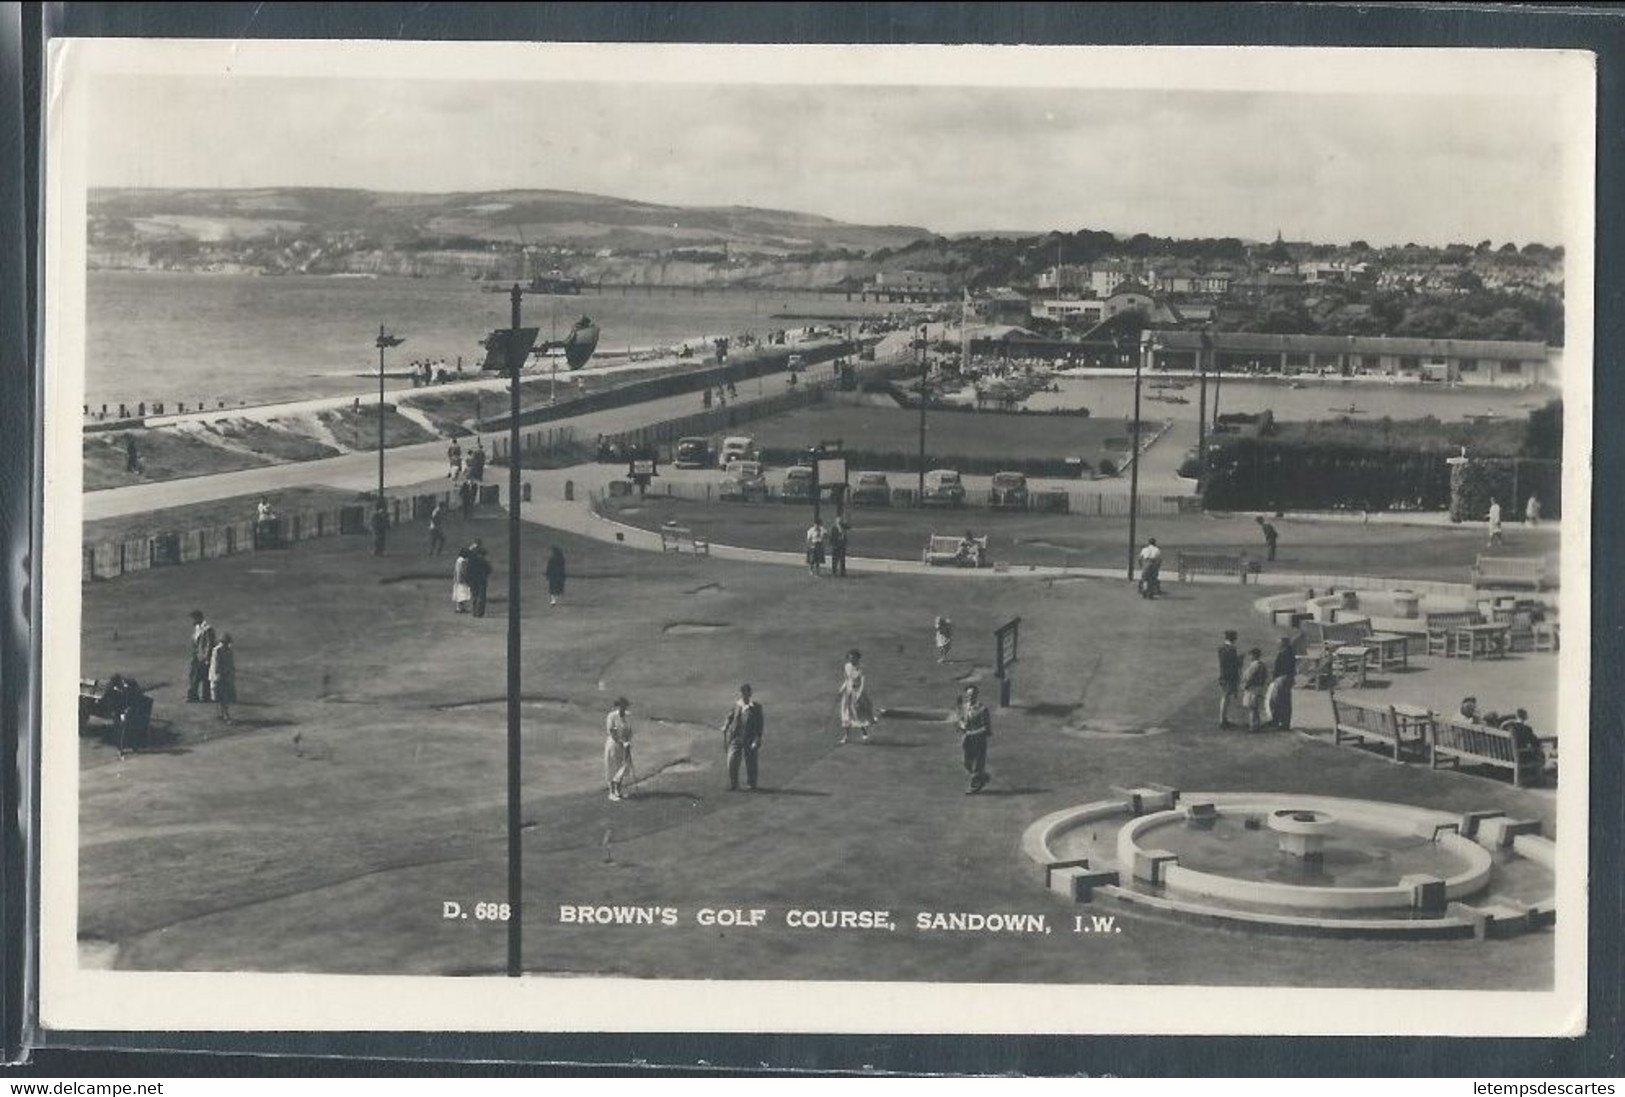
(677,538)
(1359,721)
(1509,571)
(1442,629)
(1455,740)
(1212,563)
(948,551)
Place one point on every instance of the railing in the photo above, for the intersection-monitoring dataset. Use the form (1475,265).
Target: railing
(539,442)
(1080,503)
(108,559)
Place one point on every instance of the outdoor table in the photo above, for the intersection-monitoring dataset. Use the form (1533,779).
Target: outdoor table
(1411,723)
(1488,640)
(1390,648)
(1350,660)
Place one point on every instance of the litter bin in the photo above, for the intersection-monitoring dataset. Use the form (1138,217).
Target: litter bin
(569,491)
(1407,604)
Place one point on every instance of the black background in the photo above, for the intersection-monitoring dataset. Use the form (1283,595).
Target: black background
(1596,28)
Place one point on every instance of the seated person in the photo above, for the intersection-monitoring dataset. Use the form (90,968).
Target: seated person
(970,550)
(1469,709)
(1531,752)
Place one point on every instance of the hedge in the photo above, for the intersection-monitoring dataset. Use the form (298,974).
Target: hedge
(1276,473)
(895,461)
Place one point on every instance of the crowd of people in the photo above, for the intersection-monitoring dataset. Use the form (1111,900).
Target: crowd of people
(1261,690)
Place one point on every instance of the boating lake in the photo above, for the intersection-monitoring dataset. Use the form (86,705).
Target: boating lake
(187,337)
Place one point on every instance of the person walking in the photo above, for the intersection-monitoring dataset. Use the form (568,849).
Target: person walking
(857,709)
(1150,569)
(1255,678)
(944,638)
(1285,673)
(197,676)
(975,729)
(437,529)
(379,524)
(223,676)
(454,461)
(462,593)
(742,738)
(1495,523)
(479,576)
(1531,510)
(815,546)
(476,462)
(1270,536)
(618,748)
(1229,678)
(555,575)
(837,546)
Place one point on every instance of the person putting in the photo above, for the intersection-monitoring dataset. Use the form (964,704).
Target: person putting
(975,729)
(618,748)
(1271,537)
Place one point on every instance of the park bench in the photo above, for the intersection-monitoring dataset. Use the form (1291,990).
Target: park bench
(945,550)
(1386,649)
(1509,571)
(1456,740)
(1211,563)
(677,538)
(1359,721)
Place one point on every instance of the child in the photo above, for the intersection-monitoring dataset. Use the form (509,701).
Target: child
(945,638)
(1255,678)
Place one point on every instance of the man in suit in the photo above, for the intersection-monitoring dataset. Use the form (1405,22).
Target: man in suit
(197,677)
(479,576)
(975,729)
(742,738)
(1229,677)
(1285,673)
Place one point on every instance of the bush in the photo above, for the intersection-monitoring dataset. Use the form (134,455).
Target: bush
(1511,481)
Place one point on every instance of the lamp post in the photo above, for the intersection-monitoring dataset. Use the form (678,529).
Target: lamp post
(515,899)
(1134,467)
(385,340)
(1201,418)
(925,390)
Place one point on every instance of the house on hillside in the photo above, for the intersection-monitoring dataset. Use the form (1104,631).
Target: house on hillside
(908,285)
(1005,306)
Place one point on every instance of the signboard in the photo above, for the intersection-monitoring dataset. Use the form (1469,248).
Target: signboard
(642,467)
(501,352)
(830,469)
(1006,642)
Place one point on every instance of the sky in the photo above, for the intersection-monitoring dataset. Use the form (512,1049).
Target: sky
(1381,166)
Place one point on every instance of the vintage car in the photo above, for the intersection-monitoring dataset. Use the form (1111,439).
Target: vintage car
(692,453)
(740,447)
(943,488)
(1009,491)
(871,490)
(798,484)
(744,483)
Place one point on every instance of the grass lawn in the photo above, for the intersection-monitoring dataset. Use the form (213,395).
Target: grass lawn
(875,428)
(362,784)
(358,430)
(166,453)
(1336,548)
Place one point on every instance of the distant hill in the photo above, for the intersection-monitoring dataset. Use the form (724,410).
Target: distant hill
(125,218)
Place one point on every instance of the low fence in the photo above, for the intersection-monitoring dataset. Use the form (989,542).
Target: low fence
(541,442)
(109,559)
(1079,502)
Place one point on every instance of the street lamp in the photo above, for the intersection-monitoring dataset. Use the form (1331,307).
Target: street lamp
(516,359)
(1134,467)
(925,392)
(384,341)
(1201,419)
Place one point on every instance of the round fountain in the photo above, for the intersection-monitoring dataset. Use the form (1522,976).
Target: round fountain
(1300,863)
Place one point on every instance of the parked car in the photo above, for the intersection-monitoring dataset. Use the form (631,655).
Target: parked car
(1009,491)
(693,453)
(871,490)
(740,447)
(744,483)
(943,489)
(798,484)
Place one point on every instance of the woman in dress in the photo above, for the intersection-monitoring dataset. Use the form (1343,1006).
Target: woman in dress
(555,575)
(461,593)
(857,710)
(223,676)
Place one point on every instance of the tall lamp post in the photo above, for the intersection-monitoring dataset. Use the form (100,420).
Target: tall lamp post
(1134,466)
(925,395)
(1201,417)
(515,900)
(385,341)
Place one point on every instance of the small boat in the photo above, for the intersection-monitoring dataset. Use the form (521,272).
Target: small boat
(1482,417)
(1350,410)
